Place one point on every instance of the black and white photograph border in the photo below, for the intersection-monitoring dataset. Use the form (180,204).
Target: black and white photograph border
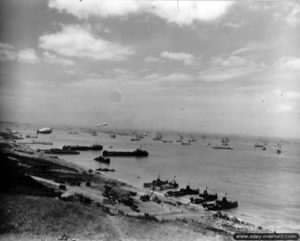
(149,120)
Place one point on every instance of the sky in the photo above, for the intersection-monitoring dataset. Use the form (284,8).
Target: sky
(203,66)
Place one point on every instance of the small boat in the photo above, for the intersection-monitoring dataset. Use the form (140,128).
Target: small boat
(258,144)
(29,136)
(135,138)
(102,159)
(185,143)
(112,135)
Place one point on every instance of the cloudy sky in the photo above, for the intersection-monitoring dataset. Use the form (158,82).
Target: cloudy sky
(226,67)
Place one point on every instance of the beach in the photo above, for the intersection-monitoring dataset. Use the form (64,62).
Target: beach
(83,185)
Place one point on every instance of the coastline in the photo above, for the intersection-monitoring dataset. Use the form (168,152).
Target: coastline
(90,192)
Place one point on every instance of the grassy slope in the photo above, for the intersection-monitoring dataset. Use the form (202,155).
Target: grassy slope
(44,216)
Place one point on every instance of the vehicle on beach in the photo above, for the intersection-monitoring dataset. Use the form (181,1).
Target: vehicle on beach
(218,205)
(137,153)
(102,159)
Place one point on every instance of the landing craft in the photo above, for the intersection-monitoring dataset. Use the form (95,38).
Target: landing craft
(46,130)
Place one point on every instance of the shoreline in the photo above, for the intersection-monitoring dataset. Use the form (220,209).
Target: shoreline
(90,190)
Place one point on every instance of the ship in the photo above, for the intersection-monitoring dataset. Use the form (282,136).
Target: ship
(157,182)
(258,144)
(167,141)
(162,185)
(102,159)
(223,204)
(61,151)
(137,153)
(222,147)
(158,137)
(204,197)
(180,138)
(83,148)
(182,192)
(185,143)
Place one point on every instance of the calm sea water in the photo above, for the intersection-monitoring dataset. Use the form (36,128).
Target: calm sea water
(265,184)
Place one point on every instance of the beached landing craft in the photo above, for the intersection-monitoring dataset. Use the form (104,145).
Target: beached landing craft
(46,130)
(204,197)
(162,185)
(220,205)
(182,192)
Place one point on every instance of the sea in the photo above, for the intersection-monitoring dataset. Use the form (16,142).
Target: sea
(265,184)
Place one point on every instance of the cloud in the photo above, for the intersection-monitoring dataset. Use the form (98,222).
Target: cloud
(7,52)
(53,59)
(174,77)
(182,14)
(293,19)
(76,41)
(189,11)
(152,59)
(232,61)
(291,63)
(222,74)
(186,58)
(27,56)
(283,108)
